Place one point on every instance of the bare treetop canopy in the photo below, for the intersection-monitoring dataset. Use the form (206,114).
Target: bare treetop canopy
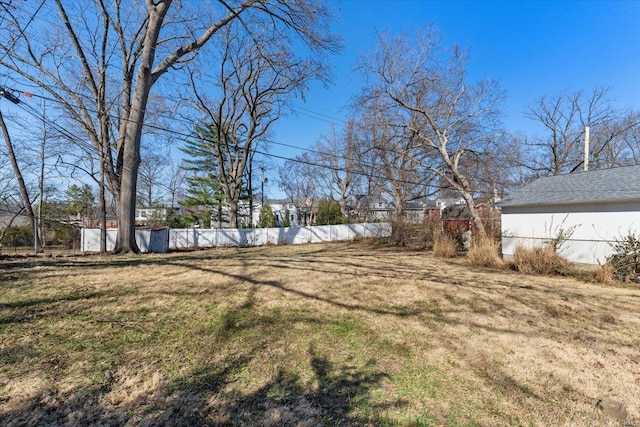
(422,91)
(100,60)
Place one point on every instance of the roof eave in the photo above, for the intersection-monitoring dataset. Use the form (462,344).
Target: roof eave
(567,203)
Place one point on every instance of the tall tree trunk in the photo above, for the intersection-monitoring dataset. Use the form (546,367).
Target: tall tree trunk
(463,186)
(250,167)
(473,211)
(132,133)
(103,212)
(41,183)
(233,213)
(23,188)
(126,240)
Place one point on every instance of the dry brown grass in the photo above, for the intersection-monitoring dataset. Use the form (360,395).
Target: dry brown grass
(603,274)
(485,252)
(444,245)
(349,334)
(539,260)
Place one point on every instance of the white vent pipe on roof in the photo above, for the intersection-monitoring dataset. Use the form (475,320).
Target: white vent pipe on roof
(586,148)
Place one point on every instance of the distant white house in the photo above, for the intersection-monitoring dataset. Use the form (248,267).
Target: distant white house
(283,210)
(360,208)
(591,209)
(414,211)
(381,210)
(147,215)
(286,212)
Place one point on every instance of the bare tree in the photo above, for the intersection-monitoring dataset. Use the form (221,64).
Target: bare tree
(297,178)
(337,158)
(397,159)
(151,175)
(625,149)
(446,115)
(10,206)
(176,182)
(559,148)
(256,80)
(24,192)
(99,60)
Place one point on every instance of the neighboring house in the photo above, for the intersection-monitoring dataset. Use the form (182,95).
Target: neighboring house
(281,209)
(432,211)
(381,210)
(146,216)
(112,222)
(285,211)
(414,212)
(358,207)
(377,210)
(457,219)
(219,216)
(590,209)
(433,208)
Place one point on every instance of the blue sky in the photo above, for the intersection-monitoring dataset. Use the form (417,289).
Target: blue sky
(533,48)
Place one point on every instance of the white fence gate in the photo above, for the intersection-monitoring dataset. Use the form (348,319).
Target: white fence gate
(147,240)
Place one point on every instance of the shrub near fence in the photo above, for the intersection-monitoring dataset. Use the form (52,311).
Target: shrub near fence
(186,238)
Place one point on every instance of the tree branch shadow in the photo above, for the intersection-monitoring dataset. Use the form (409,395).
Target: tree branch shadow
(204,398)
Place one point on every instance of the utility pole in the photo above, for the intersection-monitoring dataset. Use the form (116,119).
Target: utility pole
(263,179)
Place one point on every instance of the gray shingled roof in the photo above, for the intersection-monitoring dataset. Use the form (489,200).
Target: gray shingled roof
(602,186)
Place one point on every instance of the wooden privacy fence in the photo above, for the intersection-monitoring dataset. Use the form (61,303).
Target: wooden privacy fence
(165,239)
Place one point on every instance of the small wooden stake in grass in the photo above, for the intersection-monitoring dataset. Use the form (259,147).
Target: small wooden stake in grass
(613,408)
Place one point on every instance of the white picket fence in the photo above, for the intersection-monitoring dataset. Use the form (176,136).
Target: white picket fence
(167,239)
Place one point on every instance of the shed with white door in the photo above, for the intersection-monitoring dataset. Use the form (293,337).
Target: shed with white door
(591,209)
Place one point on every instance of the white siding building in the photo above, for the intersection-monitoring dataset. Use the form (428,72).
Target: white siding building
(285,212)
(593,209)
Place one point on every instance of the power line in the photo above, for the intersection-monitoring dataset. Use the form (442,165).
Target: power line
(23,30)
(323,153)
(191,135)
(320,116)
(315,164)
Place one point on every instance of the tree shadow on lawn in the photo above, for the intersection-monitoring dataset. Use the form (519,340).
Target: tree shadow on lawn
(480,297)
(516,401)
(29,310)
(394,310)
(316,254)
(472,295)
(12,269)
(205,397)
